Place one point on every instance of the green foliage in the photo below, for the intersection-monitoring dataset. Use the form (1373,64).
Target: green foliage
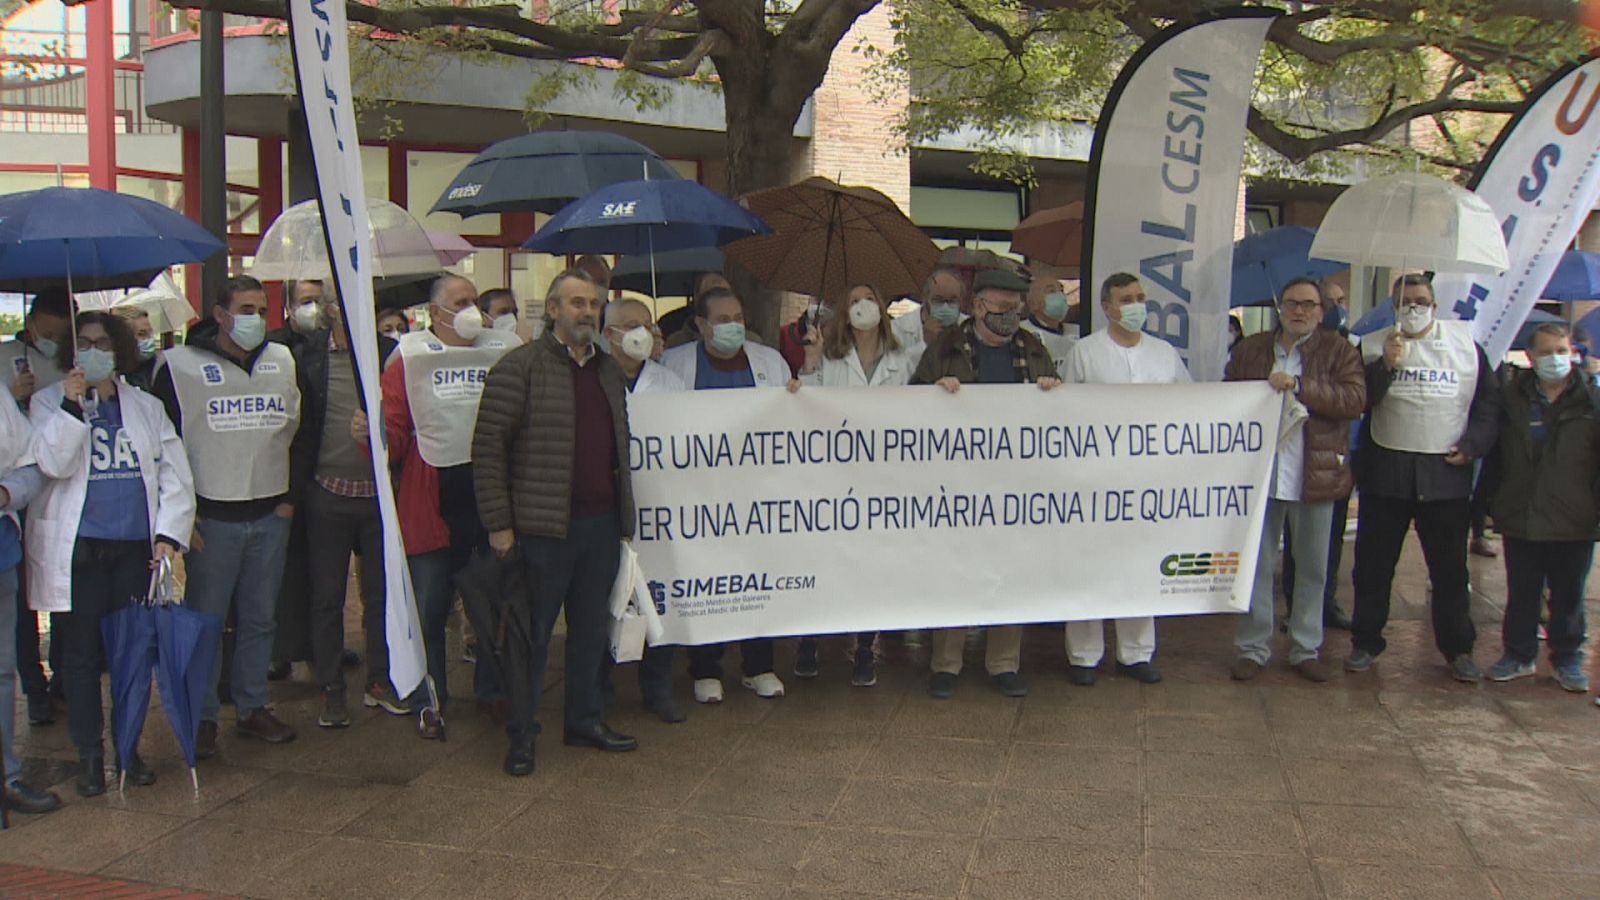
(1004,69)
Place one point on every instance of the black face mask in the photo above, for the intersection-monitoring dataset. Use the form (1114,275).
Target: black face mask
(1004,324)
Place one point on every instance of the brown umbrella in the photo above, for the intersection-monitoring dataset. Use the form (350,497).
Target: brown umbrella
(827,237)
(1053,236)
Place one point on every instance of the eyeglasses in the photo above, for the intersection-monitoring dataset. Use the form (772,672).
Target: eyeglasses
(1298,305)
(100,344)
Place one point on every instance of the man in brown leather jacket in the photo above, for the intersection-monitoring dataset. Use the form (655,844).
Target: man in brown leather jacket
(1312,470)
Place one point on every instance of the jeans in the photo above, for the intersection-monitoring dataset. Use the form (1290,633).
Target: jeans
(239,567)
(1330,587)
(1380,535)
(433,580)
(106,576)
(1309,524)
(337,527)
(8,676)
(755,657)
(574,573)
(1530,566)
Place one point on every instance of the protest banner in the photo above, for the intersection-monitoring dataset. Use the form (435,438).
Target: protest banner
(320,42)
(1163,186)
(762,513)
(1541,177)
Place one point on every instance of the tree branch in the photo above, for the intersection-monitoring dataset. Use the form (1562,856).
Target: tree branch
(1298,148)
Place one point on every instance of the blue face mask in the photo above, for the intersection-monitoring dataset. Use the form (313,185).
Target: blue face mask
(1555,367)
(1055,305)
(945,314)
(97,364)
(727,337)
(47,347)
(1335,318)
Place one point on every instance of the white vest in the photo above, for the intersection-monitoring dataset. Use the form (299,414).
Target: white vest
(237,427)
(1059,345)
(1430,395)
(443,384)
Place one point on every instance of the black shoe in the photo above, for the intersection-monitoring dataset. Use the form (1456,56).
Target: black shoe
(1010,684)
(666,709)
(279,669)
(519,760)
(1334,617)
(205,741)
(23,799)
(91,777)
(349,659)
(41,709)
(805,659)
(137,773)
(1082,676)
(1144,673)
(865,671)
(942,686)
(601,737)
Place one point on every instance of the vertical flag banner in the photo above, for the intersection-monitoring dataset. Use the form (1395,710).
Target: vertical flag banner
(1163,190)
(1541,177)
(320,40)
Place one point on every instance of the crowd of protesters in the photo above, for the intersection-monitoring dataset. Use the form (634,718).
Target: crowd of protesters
(246,452)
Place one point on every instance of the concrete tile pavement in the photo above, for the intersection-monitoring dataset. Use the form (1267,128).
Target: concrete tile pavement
(1394,783)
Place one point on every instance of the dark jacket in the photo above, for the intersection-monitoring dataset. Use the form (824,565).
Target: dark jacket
(953,357)
(204,336)
(1333,387)
(311,368)
(1426,477)
(523,447)
(1547,491)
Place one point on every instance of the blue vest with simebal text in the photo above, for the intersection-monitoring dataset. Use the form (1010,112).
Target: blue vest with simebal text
(237,425)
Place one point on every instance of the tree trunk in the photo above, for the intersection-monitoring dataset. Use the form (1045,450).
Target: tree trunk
(761,147)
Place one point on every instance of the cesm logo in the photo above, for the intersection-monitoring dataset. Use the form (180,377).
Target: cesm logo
(1196,565)
(619,210)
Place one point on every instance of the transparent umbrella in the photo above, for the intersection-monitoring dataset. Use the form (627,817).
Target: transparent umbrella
(295,248)
(163,300)
(1412,221)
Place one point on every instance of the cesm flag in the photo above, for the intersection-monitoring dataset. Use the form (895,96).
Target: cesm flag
(1541,177)
(320,39)
(1164,171)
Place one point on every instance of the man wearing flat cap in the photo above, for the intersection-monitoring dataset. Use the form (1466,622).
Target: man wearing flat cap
(989,348)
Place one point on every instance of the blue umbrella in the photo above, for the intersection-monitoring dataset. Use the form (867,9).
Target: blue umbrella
(1263,263)
(91,239)
(674,271)
(1590,323)
(187,643)
(180,645)
(1577,277)
(1376,319)
(646,217)
(545,171)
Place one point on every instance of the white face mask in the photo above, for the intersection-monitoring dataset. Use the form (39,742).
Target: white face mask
(505,322)
(865,315)
(467,323)
(1415,319)
(1132,316)
(248,331)
(307,317)
(638,343)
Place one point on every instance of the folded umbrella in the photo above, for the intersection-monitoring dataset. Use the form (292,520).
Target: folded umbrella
(498,601)
(187,642)
(128,636)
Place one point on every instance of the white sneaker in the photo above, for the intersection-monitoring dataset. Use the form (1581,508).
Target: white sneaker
(708,690)
(766,685)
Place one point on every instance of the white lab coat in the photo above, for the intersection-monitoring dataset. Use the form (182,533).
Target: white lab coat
(61,448)
(894,369)
(16,434)
(766,364)
(655,377)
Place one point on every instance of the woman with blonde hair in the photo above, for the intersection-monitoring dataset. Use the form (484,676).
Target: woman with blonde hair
(857,348)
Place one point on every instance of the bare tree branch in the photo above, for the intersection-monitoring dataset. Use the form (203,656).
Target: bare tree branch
(1298,148)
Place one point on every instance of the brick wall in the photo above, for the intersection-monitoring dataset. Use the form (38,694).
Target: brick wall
(854,141)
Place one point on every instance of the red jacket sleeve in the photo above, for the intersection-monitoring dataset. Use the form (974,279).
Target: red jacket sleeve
(397,410)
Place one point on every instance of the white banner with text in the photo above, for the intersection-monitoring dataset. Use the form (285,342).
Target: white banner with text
(762,513)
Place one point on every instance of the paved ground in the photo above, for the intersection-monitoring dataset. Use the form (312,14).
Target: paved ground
(1396,783)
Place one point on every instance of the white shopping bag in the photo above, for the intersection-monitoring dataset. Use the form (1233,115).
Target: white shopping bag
(627,636)
(634,621)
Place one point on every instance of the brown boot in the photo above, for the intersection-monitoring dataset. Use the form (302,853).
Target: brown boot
(1245,670)
(263,725)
